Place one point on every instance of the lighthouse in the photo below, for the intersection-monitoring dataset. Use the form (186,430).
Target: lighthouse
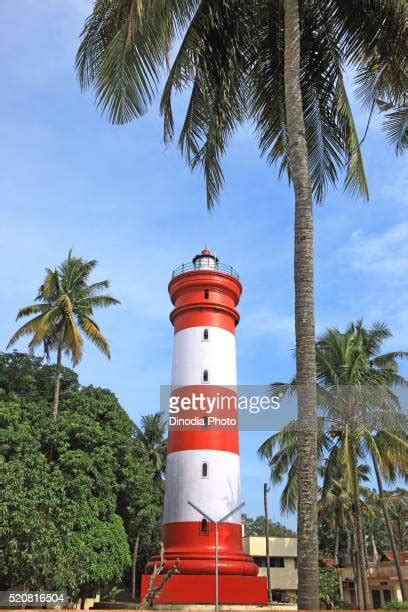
(203,465)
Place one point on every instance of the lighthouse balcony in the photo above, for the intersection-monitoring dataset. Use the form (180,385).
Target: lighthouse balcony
(205,264)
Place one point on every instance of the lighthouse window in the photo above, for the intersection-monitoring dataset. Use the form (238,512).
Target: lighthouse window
(206,294)
(204,526)
(205,335)
(205,376)
(204,470)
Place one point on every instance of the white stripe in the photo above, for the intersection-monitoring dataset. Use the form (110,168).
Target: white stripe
(216,495)
(192,355)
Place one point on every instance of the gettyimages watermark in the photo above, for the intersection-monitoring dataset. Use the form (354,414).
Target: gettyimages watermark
(274,407)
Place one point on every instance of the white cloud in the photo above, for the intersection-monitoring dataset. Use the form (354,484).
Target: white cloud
(385,253)
(265,321)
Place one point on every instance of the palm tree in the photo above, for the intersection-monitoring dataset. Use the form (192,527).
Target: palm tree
(335,503)
(65,308)
(383,457)
(152,435)
(374,519)
(361,414)
(279,63)
(336,507)
(397,502)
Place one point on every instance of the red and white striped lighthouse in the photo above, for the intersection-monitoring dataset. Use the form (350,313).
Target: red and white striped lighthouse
(203,459)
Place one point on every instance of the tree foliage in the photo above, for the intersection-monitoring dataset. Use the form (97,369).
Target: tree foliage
(28,376)
(152,434)
(329,591)
(65,305)
(256,527)
(66,523)
(229,56)
(358,404)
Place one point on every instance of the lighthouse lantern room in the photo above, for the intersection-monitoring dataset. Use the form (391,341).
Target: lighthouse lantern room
(202,468)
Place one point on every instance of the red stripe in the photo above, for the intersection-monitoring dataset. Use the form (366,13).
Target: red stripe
(203,440)
(188,429)
(205,298)
(186,538)
(200,315)
(200,589)
(195,550)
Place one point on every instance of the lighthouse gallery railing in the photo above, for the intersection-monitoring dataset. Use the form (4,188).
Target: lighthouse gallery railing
(218,267)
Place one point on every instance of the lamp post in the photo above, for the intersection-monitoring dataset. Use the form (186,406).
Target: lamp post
(268,562)
(216,522)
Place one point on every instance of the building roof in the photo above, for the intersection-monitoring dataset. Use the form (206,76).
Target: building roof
(327,562)
(388,556)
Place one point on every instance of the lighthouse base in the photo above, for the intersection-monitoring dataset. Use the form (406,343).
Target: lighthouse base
(200,589)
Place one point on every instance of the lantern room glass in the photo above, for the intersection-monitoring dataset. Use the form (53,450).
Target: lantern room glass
(205,262)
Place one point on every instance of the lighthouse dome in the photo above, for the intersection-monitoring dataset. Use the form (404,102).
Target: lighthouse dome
(205,261)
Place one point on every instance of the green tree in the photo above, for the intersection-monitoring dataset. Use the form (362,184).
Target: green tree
(280,64)
(329,591)
(335,507)
(374,523)
(67,524)
(152,434)
(256,527)
(56,533)
(29,376)
(147,526)
(140,504)
(66,302)
(355,392)
(397,502)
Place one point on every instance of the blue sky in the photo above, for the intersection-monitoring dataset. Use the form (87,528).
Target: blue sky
(117,194)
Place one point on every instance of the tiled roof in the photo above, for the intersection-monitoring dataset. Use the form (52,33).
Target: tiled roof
(388,556)
(327,562)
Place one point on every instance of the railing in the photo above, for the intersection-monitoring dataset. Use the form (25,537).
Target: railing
(218,267)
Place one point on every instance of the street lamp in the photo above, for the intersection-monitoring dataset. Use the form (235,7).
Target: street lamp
(221,520)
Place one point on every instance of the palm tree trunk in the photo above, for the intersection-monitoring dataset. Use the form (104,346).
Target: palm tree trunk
(308,571)
(351,552)
(400,535)
(357,575)
(389,528)
(358,525)
(57,380)
(268,561)
(336,546)
(134,562)
(365,543)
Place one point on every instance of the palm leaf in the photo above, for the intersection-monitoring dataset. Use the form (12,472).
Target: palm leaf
(356,181)
(49,320)
(388,359)
(123,50)
(289,496)
(92,331)
(95,287)
(98,301)
(50,287)
(396,128)
(31,327)
(32,309)
(210,60)
(72,341)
